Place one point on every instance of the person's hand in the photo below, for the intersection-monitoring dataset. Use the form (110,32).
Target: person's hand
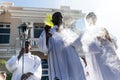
(26,76)
(49,34)
(21,53)
(84,60)
(100,38)
(85,63)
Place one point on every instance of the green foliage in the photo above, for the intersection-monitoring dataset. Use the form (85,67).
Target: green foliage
(9,75)
(2,62)
(2,65)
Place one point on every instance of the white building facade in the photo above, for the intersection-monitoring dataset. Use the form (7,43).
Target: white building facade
(12,16)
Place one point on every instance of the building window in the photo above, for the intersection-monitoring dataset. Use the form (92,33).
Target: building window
(38,28)
(44,69)
(4,33)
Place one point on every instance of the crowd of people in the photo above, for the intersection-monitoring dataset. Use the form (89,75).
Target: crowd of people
(91,56)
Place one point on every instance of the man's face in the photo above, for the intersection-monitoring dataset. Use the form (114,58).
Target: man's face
(60,20)
(27,46)
(90,21)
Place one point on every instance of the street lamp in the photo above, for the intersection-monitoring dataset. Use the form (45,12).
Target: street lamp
(24,33)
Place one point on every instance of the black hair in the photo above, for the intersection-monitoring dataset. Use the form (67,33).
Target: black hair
(27,42)
(47,30)
(107,35)
(91,15)
(57,18)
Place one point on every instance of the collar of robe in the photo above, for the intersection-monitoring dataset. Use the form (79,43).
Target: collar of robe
(29,53)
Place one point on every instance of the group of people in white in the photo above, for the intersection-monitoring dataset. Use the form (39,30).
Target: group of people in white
(71,56)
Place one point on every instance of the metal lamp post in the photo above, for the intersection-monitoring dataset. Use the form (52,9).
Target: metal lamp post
(24,34)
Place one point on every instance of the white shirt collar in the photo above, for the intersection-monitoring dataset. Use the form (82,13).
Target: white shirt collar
(29,53)
(53,29)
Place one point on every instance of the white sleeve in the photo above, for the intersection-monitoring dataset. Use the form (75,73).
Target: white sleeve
(12,64)
(37,69)
(76,43)
(112,60)
(78,46)
(42,43)
(114,63)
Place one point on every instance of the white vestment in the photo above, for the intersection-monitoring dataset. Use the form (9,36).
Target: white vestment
(92,51)
(101,59)
(32,64)
(63,60)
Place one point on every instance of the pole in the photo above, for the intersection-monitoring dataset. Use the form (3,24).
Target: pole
(23,46)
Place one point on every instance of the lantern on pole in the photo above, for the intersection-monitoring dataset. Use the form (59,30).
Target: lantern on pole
(24,34)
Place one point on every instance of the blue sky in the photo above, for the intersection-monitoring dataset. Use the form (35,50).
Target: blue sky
(75,4)
(34,3)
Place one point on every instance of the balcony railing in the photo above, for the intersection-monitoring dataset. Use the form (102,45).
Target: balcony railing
(34,42)
(7,51)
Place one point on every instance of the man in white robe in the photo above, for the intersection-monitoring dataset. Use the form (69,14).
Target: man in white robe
(63,61)
(28,68)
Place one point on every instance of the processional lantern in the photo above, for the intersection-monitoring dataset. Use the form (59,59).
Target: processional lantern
(24,33)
